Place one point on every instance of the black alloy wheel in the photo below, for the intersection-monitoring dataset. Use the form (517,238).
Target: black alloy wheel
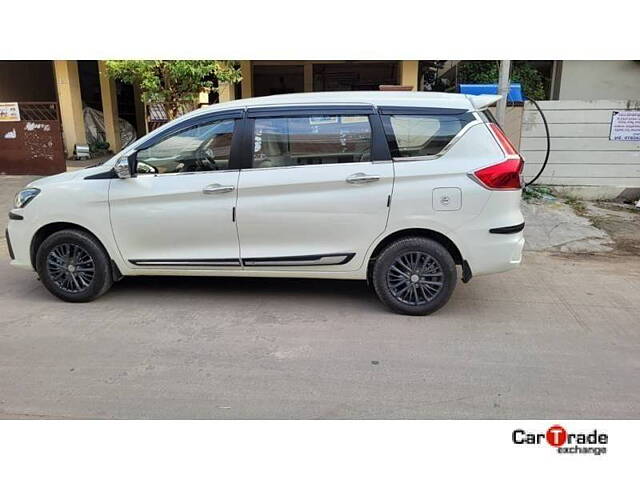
(74,266)
(414,276)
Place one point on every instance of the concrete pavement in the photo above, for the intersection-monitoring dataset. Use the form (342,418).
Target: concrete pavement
(557,338)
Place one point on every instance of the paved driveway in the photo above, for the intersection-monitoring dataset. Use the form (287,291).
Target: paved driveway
(557,338)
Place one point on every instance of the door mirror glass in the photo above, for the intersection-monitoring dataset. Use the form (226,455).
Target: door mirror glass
(126,166)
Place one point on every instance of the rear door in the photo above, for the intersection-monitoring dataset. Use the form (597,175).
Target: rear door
(434,149)
(315,188)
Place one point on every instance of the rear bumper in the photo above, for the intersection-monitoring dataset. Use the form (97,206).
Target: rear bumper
(489,252)
(507,230)
(498,253)
(493,241)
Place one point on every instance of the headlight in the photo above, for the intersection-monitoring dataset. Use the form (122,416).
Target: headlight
(25,196)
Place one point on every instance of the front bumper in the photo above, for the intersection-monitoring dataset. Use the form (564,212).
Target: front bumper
(6,236)
(18,235)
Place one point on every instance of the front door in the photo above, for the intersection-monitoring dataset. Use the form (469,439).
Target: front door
(313,197)
(178,210)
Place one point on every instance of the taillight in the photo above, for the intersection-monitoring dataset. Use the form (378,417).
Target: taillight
(502,139)
(504,175)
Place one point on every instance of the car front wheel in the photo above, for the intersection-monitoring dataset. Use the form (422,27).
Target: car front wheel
(74,266)
(414,276)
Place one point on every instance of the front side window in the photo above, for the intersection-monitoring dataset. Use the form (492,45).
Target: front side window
(422,135)
(204,147)
(311,140)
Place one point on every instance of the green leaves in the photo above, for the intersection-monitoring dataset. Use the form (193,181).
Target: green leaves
(486,71)
(173,81)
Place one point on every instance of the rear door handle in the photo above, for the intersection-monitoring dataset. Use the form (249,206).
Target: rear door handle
(217,188)
(362,178)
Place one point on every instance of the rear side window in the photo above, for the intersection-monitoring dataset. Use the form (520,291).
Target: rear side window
(311,140)
(418,135)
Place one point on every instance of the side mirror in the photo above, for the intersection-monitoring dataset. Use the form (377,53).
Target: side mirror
(126,166)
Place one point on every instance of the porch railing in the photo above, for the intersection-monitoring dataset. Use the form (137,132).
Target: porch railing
(157,113)
(38,111)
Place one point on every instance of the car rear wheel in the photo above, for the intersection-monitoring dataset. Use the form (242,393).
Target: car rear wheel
(414,276)
(73,266)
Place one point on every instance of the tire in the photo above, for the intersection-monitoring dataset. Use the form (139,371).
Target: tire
(414,276)
(74,266)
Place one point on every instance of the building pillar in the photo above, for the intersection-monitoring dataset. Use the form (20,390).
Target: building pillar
(247,78)
(308,77)
(70,101)
(409,73)
(226,92)
(556,80)
(109,108)
(141,113)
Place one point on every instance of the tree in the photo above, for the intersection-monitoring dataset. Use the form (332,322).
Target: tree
(173,82)
(486,71)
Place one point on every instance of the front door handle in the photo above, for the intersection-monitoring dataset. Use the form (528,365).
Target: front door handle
(362,178)
(217,188)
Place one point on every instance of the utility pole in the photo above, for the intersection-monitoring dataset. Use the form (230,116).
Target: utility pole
(503,89)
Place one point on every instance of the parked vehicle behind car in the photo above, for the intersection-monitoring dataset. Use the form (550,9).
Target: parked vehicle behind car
(407,190)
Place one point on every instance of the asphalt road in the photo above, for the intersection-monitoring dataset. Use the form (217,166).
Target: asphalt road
(557,338)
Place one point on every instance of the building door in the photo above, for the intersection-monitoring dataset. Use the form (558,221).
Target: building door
(277,79)
(328,77)
(33,144)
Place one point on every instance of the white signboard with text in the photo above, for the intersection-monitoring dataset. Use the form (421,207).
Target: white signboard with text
(625,126)
(9,112)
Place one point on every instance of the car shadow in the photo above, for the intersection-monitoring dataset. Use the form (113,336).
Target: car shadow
(143,286)
(344,295)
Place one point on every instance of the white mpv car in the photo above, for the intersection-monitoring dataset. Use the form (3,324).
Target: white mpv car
(398,188)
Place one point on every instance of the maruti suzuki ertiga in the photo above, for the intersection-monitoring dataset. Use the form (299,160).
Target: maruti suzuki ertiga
(402,189)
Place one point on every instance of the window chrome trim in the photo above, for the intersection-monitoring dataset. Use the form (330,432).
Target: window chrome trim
(446,148)
(419,111)
(310,110)
(315,165)
(185,173)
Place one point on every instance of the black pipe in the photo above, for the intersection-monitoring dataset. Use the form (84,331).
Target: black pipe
(546,128)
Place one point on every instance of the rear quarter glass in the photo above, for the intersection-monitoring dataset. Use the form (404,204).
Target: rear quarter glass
(422,134)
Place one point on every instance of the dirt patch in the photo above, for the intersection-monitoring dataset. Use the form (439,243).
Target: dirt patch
(572,226)
(554,226)
(621,222)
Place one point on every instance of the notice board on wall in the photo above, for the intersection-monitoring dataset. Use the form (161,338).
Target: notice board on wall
(9,112)
(625,126)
